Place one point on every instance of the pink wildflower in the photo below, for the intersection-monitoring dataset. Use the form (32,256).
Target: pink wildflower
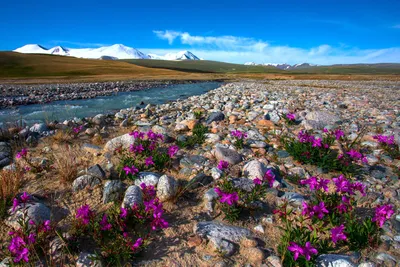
(229,199)
(296,249)
(222,165)
(337,234)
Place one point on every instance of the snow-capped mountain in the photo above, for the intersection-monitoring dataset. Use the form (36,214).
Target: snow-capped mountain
(282,66)
(182,55)
(117,51)
(32,48)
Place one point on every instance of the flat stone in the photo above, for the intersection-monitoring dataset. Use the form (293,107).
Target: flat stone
(387,259)
(283,154)
(167,188)
(113,191)
(210,195)
(85,181)
(334,260)
(216,173)
(212,138)
(322,117)
(219,230)
(192,161)
(133,195)
(228,155)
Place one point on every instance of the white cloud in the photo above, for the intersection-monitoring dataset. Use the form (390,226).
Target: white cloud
(243,49)
(167,35)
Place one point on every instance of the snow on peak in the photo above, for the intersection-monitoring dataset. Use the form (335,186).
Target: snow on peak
(182,55)
(116,51)
(32,48)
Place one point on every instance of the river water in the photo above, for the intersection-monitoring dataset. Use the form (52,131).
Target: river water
(62,110)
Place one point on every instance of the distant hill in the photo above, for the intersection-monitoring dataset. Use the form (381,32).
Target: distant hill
(37,65)
(207,66)
(379,68)
(203,66)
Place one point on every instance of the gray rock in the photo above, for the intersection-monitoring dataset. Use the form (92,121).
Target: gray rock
(282,154)
(200,180)
(273,116)
(367,264)
(35,211)
(149,178)
(387,259)
(133,195)
(222,246)
(96,171)
(4,161)
(254,169)
(83,181)
(212,138)
(228,155)
(6,262)
(113,191)
(255,135)
(192,161)
(334,260)
(99,119)
(123,141)
(219,230)
(298,171)
(210,195)
(243,184)
(256,144)
(167,188)
(120,116)
(323,117)
(5,148)
(91,148)
(215,116)
(39,128)
(124,123)
(88,260)
(181,128)
(292,198)
(216,173)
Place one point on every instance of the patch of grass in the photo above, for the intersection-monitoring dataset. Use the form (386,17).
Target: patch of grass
(66,162)
(197,138)
(61,137)
(10,183)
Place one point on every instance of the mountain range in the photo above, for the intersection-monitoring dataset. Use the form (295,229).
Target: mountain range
(283,66)
(116,51)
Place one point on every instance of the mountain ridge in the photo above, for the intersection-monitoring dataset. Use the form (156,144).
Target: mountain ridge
(116,51)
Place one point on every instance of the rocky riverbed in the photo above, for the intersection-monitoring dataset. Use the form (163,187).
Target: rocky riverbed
(19,94)
(199,234)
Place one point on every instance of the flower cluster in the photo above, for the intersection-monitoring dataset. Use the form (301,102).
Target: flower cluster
(382,214)
(239,137)
(228,198)
(222,165)
(77,129)
(291,116)
(318,150)
(307,250)
(21,200)
(330,217)
(388,140)
(24,239)
(144,153)
(121,231)
(22,154)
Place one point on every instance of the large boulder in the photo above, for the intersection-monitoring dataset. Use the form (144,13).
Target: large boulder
(228,155)
(167,188)
(85,181)
(35,211)
(133,195)
(254,169)
(123,141)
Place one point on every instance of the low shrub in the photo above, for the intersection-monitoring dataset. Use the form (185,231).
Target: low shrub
(198,137)
(145,153)
(120,233)
(328,222)
(310,149)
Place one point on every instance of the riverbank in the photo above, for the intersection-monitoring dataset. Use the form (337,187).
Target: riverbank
(19,94)
(193,185)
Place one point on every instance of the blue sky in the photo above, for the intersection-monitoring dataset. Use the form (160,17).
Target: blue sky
(320,32)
